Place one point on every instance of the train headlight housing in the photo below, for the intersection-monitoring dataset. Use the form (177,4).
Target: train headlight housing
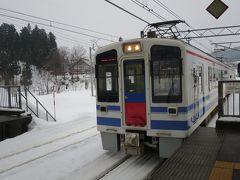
(132,47)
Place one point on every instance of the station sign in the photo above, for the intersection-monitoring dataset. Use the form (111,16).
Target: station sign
(232,87)
(217,8)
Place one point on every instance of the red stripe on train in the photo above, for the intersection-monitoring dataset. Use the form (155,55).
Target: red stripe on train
(202,57)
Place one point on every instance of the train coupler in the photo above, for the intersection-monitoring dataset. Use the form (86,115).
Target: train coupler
(132,144)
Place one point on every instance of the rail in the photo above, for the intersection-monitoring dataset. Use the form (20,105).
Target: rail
(28,94)
(229,98)
(10,97)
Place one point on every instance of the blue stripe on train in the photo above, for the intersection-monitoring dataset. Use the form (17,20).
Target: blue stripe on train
(169,125)
(108,121)
(113,108)
(158,124)
(135,98)
(183,109)
(110,108)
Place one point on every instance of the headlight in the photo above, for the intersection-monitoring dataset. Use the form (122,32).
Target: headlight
(132,47)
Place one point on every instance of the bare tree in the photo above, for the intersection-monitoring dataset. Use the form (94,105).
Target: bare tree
(77,54)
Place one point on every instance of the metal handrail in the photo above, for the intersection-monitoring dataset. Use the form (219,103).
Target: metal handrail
(37,103)
(10,97)
(28,106)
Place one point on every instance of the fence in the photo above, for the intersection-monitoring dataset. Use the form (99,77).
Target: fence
(229,98)
(10,97)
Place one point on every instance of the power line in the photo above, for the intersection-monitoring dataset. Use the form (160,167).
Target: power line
(179,18)
(60,28)
(127,11)
(62,35)
(167,9)
(161,17)
(71,41)
(9,21)
(57,22)
(148,9)
(72,38)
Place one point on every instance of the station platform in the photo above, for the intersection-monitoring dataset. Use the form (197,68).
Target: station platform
(11,126)
(208,154)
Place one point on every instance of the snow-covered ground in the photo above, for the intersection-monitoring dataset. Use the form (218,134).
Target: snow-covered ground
(69,148)
(70,105)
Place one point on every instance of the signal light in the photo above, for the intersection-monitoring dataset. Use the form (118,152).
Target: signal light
(132,47)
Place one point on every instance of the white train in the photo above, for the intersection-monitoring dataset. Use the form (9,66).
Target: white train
(154,92)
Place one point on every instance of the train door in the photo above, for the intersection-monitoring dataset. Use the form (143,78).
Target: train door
(195,93)
(134,92)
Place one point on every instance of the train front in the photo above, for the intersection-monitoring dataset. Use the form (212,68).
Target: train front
(130,99)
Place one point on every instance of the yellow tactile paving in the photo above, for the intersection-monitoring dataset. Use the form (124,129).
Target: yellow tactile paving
(221,174)
(223,170)
(237,166)
(223,164)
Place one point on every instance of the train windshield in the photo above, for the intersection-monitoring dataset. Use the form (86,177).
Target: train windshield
(166,74)
(107,76)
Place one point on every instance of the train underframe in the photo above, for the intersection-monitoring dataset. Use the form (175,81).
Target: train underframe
(137,143)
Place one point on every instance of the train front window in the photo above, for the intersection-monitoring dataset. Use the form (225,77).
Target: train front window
(166,74)
(107,77)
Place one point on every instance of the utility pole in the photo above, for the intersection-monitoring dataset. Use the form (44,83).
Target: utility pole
(91,68)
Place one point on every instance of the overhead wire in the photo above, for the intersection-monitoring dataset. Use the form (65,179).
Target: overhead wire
(127,11)
(57,27)
(148,9)
(9,21)
(167,9)
(58,22)
(75,40)
(72,42)
(179,18)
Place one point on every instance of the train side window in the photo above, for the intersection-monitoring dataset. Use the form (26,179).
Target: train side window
(200,77)
(107,76)
(166,71)
(215,77)
(209,78)
(219,75)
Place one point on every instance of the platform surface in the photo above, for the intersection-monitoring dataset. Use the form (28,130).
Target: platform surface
(11,111)
(5,118)
(208,154)
(11,126)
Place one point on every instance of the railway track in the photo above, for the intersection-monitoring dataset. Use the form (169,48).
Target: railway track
(114,166)
(34,153)
(47,142)
(133,167)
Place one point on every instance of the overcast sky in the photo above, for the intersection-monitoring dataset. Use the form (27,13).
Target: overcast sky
(98,15)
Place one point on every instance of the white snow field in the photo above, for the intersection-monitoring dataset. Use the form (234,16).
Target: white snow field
(68,149)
